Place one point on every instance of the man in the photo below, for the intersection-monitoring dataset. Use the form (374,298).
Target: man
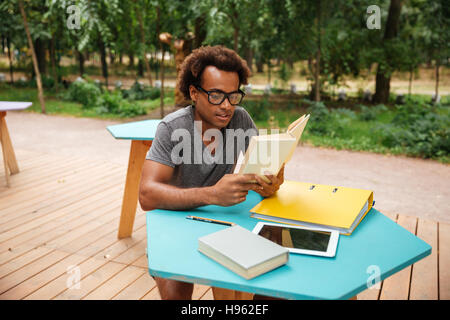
(198,173)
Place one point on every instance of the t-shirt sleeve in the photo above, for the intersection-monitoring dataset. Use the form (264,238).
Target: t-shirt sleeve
(162,146)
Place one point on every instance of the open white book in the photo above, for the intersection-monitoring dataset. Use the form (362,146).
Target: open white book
(270,152)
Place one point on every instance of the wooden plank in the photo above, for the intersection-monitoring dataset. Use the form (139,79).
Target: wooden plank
(18,276)
(132,254)
(424,281)
(42,176)
(116,284)
(444,261)
(58,284)
(59,202)
(77,215)
(36,174)
(396,287)
(79,179)
(152,295)
(23,260)
(58,192)
(84,244)
(142,262)
(8,220)
(59,224)
(91,282)
(137,289)
(40,173)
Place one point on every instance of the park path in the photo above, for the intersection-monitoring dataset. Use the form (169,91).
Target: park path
(403,185)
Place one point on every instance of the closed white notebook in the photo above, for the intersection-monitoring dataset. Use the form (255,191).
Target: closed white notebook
(243,251)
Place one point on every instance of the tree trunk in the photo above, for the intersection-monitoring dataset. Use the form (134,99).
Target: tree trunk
(383,78)
(33,56)
(141,27)
(131,60)
(140,68)
(249,57)
(53,61)
(259,65)
(199,31)
(318,54)
(436,91)
(40,55)
(102,49)
(410,81)
(11,71)
(80,63)
(163,53)
(236,38)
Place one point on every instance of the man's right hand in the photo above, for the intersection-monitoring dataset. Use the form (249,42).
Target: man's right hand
(232,189)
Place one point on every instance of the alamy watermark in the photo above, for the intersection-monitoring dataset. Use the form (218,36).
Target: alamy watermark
(374,20)
(74,277)
(73,21)
(373,281)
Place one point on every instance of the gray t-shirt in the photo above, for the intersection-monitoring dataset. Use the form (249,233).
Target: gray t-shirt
(178,144)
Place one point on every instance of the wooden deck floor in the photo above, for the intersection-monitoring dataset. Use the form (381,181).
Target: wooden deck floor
(59,219)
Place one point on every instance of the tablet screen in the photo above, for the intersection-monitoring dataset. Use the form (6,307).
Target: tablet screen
(297,238)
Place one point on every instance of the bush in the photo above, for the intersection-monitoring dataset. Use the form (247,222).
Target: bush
(141,92)
(419,129)
(83,92)
(258,110)
(112,102)
(320,118)
(370,113)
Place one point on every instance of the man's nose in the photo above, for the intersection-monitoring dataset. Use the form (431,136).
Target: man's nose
(225,104)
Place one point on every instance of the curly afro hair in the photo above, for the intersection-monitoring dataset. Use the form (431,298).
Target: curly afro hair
(222,58)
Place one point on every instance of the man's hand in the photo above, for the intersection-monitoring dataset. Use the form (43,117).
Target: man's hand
(232,189)
(267,189)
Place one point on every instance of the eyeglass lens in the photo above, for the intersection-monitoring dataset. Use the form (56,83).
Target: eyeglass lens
(219,97)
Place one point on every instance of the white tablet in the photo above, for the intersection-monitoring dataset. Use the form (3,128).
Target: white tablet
(311,241)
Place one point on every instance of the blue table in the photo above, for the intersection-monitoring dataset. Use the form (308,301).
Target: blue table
(377,244)
(141,134)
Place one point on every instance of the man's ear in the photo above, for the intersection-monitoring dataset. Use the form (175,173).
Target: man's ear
(193,93)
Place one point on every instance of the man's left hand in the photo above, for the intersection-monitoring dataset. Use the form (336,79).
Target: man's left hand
(266,189)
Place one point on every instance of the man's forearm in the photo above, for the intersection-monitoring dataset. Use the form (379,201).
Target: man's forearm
(165,196)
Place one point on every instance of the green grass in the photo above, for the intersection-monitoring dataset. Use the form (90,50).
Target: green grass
(55,105)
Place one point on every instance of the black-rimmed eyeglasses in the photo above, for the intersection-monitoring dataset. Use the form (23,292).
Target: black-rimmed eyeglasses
(216,97)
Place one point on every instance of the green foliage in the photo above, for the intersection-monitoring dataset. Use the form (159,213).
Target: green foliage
(141,92)
(91,97)
(370,113)
(112,102)
(418,129)
(320,119)
(284,73)
(258,110)
(83,92)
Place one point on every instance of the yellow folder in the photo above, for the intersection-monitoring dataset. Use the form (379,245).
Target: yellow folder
(316,205)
